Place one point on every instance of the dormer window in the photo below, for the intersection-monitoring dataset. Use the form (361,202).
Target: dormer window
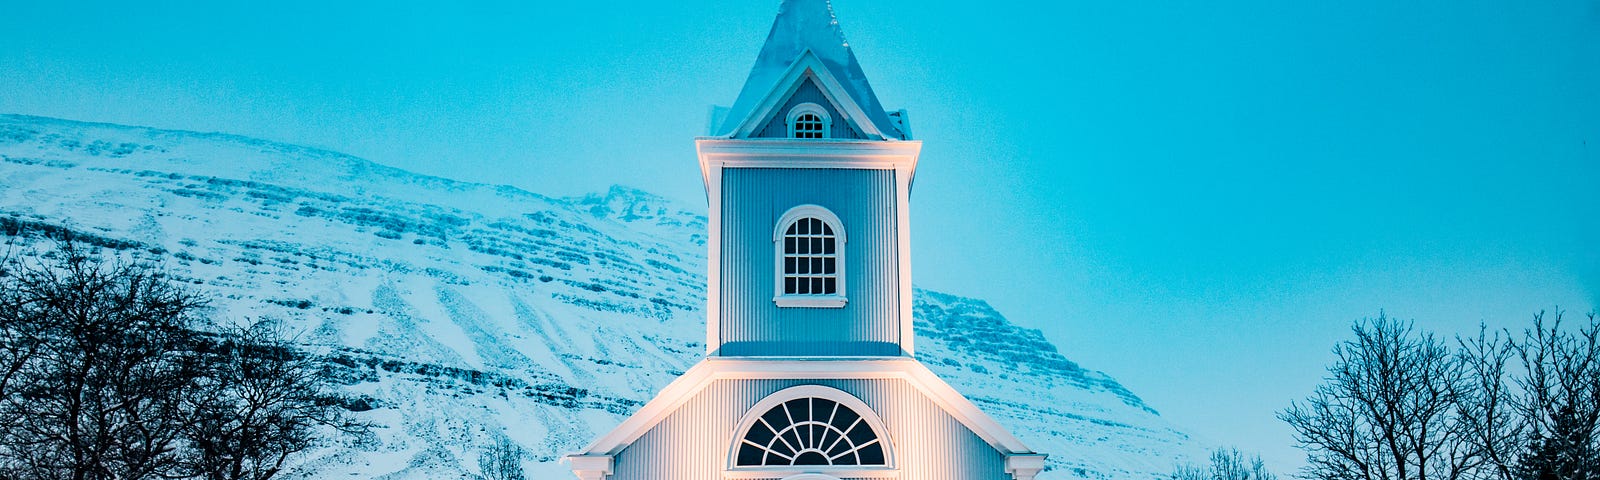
(809,120)
(808,244)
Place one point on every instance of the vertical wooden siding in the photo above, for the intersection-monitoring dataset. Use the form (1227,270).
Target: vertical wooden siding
(778,125)
(753,200)
(693,443)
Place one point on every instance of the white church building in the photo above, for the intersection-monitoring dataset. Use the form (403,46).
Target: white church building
(809,372)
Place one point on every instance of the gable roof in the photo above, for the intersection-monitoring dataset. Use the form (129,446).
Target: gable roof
(806,26)
(695,380)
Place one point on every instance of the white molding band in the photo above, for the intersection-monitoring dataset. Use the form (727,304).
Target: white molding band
(832,474)
(683,389)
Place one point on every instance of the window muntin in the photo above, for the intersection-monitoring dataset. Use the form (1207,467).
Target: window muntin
(810,431)
(809,120)
(808,125)
(810,258)
(808,255)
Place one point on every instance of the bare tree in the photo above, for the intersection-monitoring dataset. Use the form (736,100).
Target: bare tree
(108,373)
(1226,464)
(1494,423)
(1559,400)
(95,367)
(258,405)
(1387,411)
(501,461)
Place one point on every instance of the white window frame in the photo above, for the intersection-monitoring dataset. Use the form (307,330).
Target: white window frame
(812,108)
(835,300)
(890,469)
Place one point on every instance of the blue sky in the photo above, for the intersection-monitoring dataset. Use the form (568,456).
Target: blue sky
(1195,197)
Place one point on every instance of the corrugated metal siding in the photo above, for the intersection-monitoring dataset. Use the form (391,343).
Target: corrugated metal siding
(778,125)
(693,443)
(753,201)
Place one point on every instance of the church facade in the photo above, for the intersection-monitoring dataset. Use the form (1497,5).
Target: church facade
(809,371)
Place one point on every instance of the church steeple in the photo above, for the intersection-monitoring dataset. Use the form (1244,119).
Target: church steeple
(810,371)
(807,35)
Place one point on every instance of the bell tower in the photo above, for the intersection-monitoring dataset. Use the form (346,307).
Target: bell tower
(809,372)
(808,180)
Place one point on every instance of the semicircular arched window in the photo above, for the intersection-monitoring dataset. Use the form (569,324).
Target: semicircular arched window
(811,426)
(809,120)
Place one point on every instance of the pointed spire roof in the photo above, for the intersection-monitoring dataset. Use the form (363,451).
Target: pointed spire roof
(804,25)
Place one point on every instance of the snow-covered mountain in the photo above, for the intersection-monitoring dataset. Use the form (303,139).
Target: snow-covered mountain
(464,313)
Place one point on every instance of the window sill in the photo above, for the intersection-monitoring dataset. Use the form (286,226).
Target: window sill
(833,471)
(809,301)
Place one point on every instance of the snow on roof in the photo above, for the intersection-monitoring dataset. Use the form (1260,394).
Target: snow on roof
(803,25)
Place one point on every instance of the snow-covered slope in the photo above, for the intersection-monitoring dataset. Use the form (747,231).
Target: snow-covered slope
(463,313)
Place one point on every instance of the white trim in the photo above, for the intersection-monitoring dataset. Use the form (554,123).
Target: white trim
(814,109)
(1024,466)
(591,467)
(711,170)
(809,301)
(810,476)
(809,210)
(711,369)
(785,300)
(789,153)
(808,65)
(860,408)
(849,472)
(902,209)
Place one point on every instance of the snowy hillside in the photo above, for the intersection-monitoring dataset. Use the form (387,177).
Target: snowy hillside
(464,313)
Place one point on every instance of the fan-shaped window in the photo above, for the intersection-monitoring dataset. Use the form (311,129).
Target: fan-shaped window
(809,246)
(809,120)
(811,426)
(810,431)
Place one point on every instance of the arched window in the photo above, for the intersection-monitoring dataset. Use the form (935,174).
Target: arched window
(811,426)
(809,249)
(809,120)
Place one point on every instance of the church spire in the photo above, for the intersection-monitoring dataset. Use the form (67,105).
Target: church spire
(801,26)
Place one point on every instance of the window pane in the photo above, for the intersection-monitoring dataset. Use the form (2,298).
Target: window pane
(799,409)
(844,418)
(828,286)
(805,246)
(788,285)
(816,286)
(750,455)
(790,231)
(816,245)
(871,454)
(805,287)
(839,448)
(827,246)
(827,230)
(788,243)
(788,265)
(816,265)
(804,226)
(861,434)
(816,225)
(827,265)
(759,434)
